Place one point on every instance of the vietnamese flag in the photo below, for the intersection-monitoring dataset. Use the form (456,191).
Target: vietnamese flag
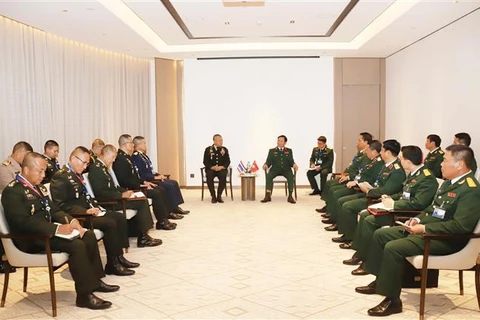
(254,167)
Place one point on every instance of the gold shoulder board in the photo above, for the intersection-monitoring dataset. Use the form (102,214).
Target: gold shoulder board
(441,151)
(396,166)
(426,172)
(471,183)
(6,163)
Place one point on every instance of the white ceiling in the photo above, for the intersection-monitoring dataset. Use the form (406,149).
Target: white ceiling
(278,28)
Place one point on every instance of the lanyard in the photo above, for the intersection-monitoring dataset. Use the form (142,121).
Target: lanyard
(44,199)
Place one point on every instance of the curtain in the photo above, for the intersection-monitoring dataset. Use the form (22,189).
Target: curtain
(54,88)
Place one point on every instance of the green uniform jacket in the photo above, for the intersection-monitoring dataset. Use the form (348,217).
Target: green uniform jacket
(358,162)
(102,183)
(418,191)
(389,180)
(433,161)
(280,160)
(461,201)
(68,192)
(370,170)
(322,157)
(126,171)
(26,212)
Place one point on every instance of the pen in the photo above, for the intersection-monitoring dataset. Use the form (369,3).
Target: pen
(66,220)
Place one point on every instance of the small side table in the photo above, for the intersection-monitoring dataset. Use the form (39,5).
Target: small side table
(248,186)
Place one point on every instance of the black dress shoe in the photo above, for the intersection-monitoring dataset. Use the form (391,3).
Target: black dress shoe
(353,261)
(333,227)
(326,215)
(113,266)
(266,199)
(370,289)
(165,225)
(345,245)
(360,271)
(91,301)
(322,210)
(175,216)
(4,265)
(341,239)
(181,211)
(220,200)
(328,221)
(127,264)
(291,200)
(386,307)
(314,193)
(146,241)
(106,287)
(214,200)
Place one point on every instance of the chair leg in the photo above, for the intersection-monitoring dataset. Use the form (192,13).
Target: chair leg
(52,291)
(203,186)
(295,188)
(460,281)
(286,189)
(477,283)
(5,283)
(231,189)
(25,279)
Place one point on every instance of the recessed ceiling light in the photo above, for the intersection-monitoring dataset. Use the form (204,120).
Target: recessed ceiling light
(292,21)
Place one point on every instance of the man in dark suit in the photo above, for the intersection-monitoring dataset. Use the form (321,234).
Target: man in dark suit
(216,161)
(454,211)
(50,154)
(69,192)
(104,187)
(143,166)
(321,162)
(280,161)
(28,209)
(128,178)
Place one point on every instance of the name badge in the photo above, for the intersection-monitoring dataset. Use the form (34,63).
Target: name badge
(406,195)
(439,213)
(357,177)
(319,161)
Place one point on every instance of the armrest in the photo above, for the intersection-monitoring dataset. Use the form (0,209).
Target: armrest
(33,236)
(406,212)
(446,236)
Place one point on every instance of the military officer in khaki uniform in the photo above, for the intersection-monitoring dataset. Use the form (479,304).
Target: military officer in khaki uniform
(363,141)
(417,194)
(453,211)
(51,150)
(280,161)
(370,167)
(216,161)
(321,162)
(389,181)
(434,158)
(28,209)
(8,170)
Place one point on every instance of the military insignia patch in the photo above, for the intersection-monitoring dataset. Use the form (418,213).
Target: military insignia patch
(32,210)
(471,183)
(6,163)
(222,152)
(452,194)
(426,172)
(396,166)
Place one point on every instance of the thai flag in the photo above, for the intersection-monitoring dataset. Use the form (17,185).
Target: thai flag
(241,168)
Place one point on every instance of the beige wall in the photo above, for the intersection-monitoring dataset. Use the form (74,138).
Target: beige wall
(169,118)
(359,104)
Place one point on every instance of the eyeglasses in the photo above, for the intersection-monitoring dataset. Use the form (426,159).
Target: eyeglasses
(85,163)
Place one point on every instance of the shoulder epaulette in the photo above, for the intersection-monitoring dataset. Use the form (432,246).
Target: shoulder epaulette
(6,163)
(426,172)
(11,184)
(441,151)
(135,153)
(396,166)
(471,183)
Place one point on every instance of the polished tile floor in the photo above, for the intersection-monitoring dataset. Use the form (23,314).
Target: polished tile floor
(239,260)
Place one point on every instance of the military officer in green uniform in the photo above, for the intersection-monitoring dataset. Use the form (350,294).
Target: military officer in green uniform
(389,181)
(464,138)
(418,191)
(68,191)
(28,209)
(434,158)
(95,151)
(363,141)
(371,166)
(50,154)
(104,188)
(216,160)
(280,161)
(454,211)
(321,162)
(8,170)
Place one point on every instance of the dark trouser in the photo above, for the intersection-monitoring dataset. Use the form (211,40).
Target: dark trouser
(334,204)
(159,202)
(348,214)
(115,232)
(311,174)
(367,225)
(84,260)
(143,219)
(222,181)
(327,186)
(390,247)
(172,190)
(288,174)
